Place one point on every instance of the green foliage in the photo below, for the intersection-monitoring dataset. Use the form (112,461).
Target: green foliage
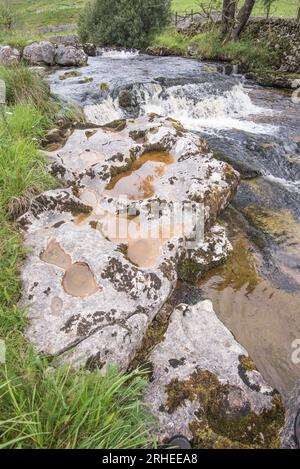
(127,23)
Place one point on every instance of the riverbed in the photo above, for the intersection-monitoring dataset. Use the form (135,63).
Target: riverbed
(257,292)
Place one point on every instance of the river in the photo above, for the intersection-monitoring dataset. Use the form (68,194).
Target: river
(257,292)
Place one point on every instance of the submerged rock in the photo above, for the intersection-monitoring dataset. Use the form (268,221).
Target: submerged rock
(9,56)
(205,386)
(93,292)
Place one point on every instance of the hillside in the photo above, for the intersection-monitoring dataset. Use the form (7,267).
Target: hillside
(39,13)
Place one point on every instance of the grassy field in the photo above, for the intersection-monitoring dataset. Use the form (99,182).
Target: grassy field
(35,14)
(280,8)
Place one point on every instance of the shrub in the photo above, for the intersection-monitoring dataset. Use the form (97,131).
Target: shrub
(127,23)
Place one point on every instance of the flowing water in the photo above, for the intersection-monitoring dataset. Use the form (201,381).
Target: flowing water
(257,292)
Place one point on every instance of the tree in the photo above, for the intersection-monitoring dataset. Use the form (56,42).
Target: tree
(242,19)
(228,15)
(267,4)
(127,23)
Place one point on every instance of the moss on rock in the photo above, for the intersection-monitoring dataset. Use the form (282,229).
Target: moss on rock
(219,426)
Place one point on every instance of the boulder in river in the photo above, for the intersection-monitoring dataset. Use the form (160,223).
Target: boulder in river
(40,53)
(9,56)
(205,386)
(93,292)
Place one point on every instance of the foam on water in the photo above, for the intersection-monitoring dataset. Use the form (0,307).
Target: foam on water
(117,54)
(196,106)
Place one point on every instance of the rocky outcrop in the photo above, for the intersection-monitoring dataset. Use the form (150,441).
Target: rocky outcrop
(205,386)
(92,292)
(9,56)
(47,53)
(40,53)
(70,56)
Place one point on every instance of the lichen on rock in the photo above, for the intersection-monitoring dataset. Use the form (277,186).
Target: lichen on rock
(205,387)
(91,295)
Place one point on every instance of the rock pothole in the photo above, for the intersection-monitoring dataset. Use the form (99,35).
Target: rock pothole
(79,280)
(97,289)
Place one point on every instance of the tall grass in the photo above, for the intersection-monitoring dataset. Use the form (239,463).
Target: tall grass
(43,405)
(50,407)
(25,86)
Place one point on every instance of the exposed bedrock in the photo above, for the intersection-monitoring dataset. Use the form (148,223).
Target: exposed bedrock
(205,386)
(93,293)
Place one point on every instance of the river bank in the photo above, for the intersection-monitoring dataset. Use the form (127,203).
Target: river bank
(269,49)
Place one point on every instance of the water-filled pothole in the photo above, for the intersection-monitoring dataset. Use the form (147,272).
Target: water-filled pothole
(79,280)
(139,181)
(54,254)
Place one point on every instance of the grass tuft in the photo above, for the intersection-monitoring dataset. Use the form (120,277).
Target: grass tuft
(23,85)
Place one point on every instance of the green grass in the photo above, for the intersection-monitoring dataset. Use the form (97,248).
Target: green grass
(280,8)
(210,46)
(35,14)
(22,85)
(43,405)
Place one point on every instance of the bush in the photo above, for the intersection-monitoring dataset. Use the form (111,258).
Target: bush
(127,23)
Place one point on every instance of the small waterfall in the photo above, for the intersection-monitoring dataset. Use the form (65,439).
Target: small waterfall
(117,53)
(198,106)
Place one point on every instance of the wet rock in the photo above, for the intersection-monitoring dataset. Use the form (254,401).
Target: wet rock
(274,79)
(205,386)
(125,99)
(293,407)
(211,253)
(9,56)
(68,56)
(40,53)
(90,49)
(71,74)
(87,298)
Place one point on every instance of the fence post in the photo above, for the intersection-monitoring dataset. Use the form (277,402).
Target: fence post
(298,16)
(192,15)
(176,18)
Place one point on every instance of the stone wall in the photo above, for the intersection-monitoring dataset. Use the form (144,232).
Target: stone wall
(280,35)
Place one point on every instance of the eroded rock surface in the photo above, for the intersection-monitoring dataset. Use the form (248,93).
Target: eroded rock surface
(92,293)
(205,386)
